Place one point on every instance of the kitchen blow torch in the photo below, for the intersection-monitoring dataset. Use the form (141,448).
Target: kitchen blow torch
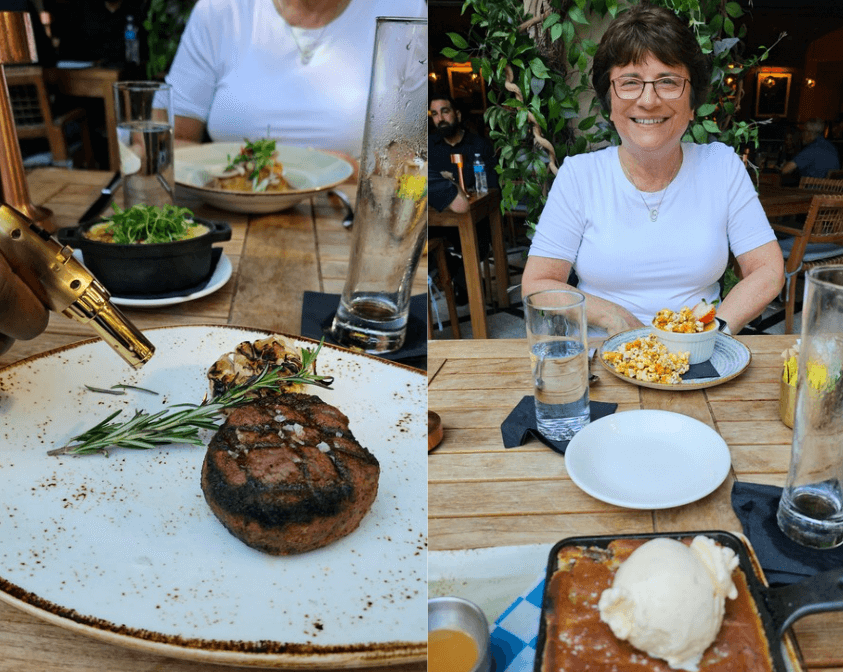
(65,286)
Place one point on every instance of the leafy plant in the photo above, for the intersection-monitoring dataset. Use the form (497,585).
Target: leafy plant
(164,24)
(537,69)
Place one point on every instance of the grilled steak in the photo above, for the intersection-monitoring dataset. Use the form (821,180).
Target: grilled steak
(285,475)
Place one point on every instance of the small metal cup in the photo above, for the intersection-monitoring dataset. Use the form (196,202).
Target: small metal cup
(456,613)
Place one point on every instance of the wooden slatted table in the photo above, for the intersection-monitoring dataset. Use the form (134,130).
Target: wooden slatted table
(482,495)
(276,258)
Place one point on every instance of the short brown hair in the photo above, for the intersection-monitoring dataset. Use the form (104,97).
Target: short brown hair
(643,30)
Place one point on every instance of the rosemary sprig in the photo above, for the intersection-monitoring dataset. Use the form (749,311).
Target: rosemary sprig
(181,423)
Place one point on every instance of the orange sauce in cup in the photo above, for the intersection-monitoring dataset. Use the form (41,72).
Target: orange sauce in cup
(450,651)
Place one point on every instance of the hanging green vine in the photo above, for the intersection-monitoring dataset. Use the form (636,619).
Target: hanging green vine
(164,24)
(536,61)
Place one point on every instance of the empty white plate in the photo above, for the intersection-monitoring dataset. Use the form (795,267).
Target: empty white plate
(647,459)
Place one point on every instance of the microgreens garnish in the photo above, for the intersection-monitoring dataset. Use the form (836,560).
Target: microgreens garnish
(255,156)
(181,423)
(149,224)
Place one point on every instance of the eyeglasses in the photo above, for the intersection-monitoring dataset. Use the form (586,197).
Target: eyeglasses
(666,88)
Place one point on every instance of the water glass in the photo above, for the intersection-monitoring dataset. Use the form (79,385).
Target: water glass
(145,139)
(390,221)
(811,507)
(558,337)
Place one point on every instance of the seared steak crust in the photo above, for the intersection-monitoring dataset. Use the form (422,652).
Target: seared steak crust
(285,475)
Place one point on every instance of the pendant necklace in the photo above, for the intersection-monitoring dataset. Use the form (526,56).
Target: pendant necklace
(654,212)
(306,50)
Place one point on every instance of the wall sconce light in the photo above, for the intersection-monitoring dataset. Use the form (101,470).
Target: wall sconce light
(810,83)
(770,82)
(433,76)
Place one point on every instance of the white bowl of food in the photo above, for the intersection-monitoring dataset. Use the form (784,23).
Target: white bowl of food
(298,174)
(689,330)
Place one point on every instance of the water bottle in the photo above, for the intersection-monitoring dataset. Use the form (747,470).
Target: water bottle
(132,41)
(480,182)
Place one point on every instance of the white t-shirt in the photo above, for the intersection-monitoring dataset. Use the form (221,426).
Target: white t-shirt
(596,219)
(239,70)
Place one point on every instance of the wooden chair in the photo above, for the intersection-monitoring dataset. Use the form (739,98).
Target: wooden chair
(818,243)
(834,175)
(821,184)
(34,116)
(436,252)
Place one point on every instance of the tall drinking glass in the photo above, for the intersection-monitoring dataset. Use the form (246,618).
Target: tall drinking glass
(557,333)
(811,507)
(145,139)
(390,221)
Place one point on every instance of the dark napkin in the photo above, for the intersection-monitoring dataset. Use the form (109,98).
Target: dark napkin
(783,560)
(521,424)
(318,311)
(702,370)
(216,255)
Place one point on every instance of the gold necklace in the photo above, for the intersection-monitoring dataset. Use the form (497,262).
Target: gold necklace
(654,212)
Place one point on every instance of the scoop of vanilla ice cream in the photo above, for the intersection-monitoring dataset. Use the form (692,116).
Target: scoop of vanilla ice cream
(668,599)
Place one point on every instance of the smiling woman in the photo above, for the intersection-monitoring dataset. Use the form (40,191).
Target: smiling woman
(651,223)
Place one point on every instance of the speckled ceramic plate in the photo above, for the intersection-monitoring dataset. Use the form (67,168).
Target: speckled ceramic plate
(126,550)
(309,172)
(730,358)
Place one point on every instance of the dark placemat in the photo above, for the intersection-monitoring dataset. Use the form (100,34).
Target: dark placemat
(783,560)
(216,255)
(520,425)
(702,370)
(318,311)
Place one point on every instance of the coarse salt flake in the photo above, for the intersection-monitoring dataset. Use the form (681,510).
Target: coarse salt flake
(324,447)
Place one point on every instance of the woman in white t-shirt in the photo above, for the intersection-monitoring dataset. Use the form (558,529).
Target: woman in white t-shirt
(649,224)
(297,71)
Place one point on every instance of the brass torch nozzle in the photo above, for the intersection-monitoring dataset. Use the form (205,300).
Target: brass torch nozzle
(66,286)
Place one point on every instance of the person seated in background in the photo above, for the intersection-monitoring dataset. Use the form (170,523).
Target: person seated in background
(297,71)
(818,155)
(22,315)
(649,224)
(452,137)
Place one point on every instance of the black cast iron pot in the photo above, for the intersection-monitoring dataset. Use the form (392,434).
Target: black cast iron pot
(127,270)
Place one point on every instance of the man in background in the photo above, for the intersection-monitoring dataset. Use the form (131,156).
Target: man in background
(818,155)
(452,138)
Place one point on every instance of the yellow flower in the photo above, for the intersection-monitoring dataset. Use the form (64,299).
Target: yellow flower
(817,375)
(412,187)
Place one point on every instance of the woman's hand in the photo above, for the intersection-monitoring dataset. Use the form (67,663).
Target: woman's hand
(22,315)
(619,319)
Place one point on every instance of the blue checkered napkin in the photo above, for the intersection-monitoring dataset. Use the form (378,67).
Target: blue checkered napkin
(515,632)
